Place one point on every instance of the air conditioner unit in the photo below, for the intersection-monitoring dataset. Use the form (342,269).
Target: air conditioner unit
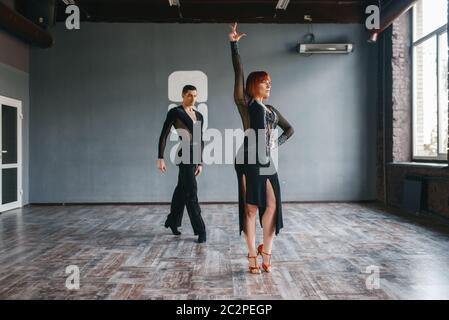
(311,48)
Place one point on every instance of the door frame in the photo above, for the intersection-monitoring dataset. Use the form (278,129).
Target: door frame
(19,203)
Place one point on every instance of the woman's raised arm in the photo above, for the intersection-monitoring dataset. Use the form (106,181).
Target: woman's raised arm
(239,83)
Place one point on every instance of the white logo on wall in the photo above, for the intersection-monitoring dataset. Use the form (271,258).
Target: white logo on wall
(373,20)
(176,81)
(73,280)
(73,20)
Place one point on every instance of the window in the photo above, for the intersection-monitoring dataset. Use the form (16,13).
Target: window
(430,80)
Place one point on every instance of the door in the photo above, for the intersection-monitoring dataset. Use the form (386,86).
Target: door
(11,154)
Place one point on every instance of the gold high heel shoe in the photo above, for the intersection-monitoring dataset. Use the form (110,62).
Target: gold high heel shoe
(266,267)
(254,269)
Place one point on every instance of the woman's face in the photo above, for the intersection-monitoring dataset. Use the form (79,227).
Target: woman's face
(264,88)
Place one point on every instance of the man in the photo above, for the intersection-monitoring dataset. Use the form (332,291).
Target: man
(187,121)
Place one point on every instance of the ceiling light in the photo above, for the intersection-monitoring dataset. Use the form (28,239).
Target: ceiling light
(174,3)
(282,4)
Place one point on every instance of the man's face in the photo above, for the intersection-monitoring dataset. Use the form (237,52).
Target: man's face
(189,98)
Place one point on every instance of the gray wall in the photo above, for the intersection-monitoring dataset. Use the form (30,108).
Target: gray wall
(99,98)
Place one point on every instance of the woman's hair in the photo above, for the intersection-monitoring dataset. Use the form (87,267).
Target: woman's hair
(253,81)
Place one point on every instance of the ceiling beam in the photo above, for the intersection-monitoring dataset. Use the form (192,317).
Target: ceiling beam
(23,28)
(389,14)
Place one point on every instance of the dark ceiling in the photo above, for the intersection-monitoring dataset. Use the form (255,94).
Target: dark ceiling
(255,11)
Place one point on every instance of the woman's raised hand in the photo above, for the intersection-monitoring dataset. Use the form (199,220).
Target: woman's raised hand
(233,35)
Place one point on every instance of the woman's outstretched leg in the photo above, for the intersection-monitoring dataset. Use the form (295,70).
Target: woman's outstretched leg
(268,224)
(250,229)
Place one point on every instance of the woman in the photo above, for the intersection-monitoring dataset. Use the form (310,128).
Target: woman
(257,191)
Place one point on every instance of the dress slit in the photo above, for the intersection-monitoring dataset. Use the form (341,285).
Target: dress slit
(253,190)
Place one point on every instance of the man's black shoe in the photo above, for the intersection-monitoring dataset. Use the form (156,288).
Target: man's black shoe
(202,238)
(174,230)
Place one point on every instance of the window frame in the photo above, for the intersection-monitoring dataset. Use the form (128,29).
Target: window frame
(436,34)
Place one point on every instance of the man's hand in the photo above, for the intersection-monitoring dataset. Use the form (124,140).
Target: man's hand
(161,165)
(198,170)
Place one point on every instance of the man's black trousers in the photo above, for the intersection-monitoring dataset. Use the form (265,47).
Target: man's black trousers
(185,195)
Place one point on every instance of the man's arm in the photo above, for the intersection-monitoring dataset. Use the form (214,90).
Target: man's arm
(169,120)
(202,140)
(199,166)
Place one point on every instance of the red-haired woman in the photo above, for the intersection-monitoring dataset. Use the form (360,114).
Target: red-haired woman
(258,191)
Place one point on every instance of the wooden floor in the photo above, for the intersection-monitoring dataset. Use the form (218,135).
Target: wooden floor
(123,252)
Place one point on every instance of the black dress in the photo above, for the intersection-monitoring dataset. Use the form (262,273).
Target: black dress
(256,117)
